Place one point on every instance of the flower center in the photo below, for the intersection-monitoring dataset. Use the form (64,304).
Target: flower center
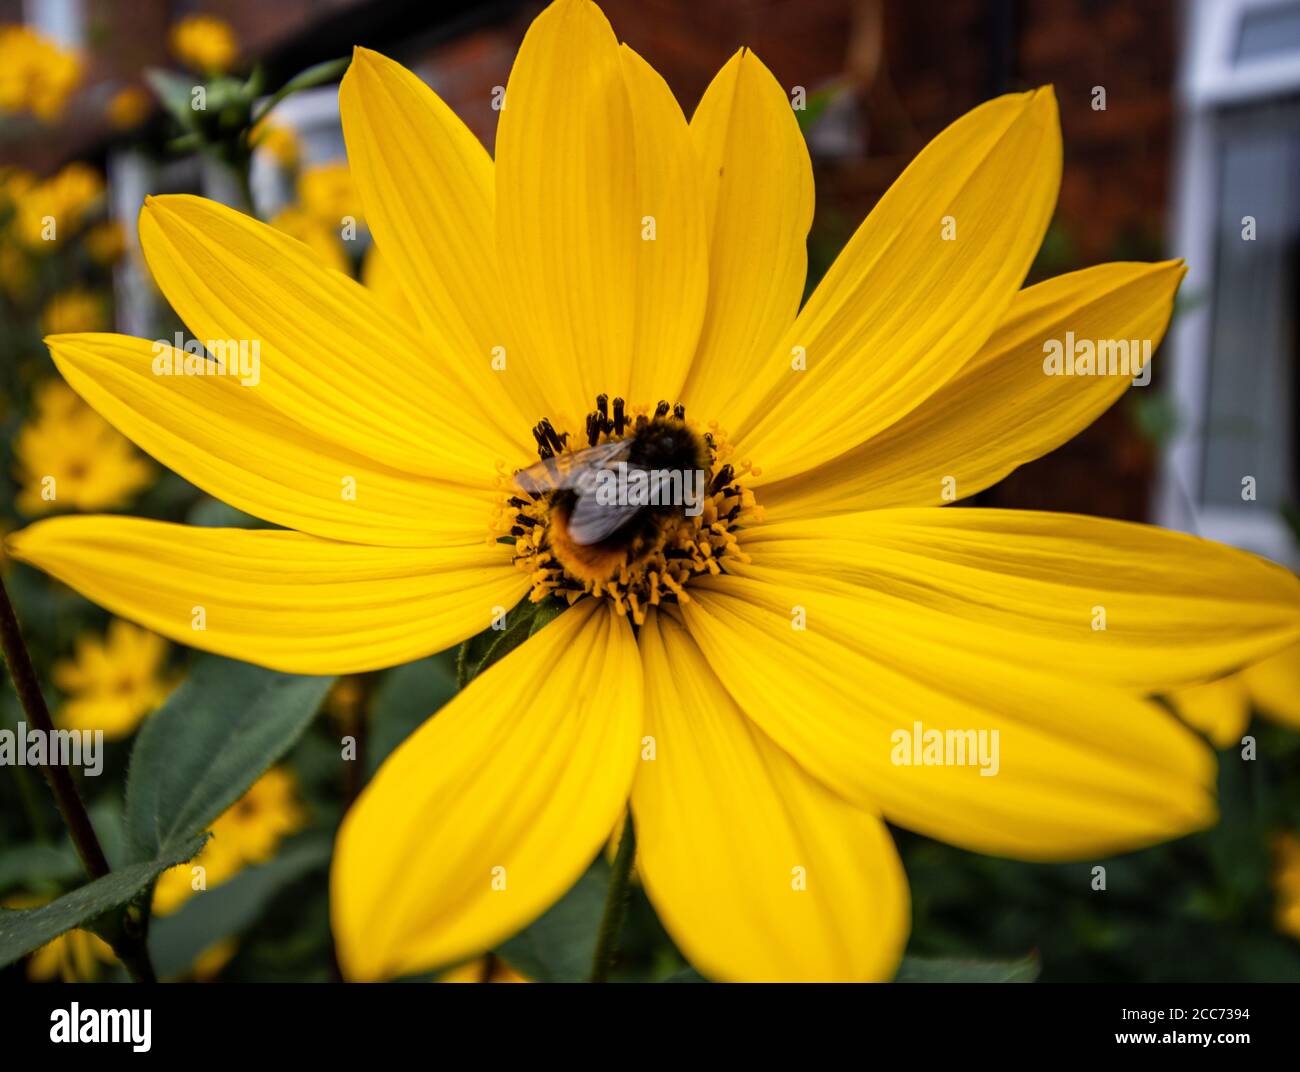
(644,503)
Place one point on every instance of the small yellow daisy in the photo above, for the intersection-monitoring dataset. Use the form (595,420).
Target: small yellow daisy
(112,683)
(69,458)
(75,310)
(75,956)
(246,833)
(328,193)
(205,43)
(36,75)
(128,108)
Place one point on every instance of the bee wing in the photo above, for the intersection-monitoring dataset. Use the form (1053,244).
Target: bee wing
(591,521)
(575,470)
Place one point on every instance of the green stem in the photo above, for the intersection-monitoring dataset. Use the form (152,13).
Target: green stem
(616,898)
(243,173)
(132,952)
(318,75)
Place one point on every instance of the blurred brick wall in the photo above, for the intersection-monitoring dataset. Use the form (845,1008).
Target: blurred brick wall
(910,67)
(907,68)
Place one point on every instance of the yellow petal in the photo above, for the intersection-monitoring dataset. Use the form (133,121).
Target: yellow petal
(590,144)
(491,810)
(1073,772)
(1274,685)
(223,437)
(278,599)
(1219,709)
(903,308)
(1131,605)
(427,186)
(758,871)
(1001,410)
(672,258)
(331,356)
(758,196)
(385,284)
(567,219)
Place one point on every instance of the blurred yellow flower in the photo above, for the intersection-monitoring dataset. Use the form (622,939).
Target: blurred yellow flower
(14,182)
(106,242)
(248,832)
(205,43)
(6,563)
(74,310)
(49,211)
(209,964)
(327,192)
(16,277)
(74,956)
(279,142)
(1286,883)
(489,969)
(69,457)
(113,683)
(36,75)
(323,240)
(128,108)
(1221,708)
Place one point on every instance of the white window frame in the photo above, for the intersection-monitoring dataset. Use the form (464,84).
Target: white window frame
(62,21)
(1210,81)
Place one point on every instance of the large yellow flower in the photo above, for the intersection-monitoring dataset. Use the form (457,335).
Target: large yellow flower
(741,677)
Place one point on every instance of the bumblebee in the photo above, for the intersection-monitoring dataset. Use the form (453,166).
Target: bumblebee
(593,536)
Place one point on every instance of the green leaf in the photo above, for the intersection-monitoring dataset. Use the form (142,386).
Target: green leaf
(403,702)
(175,95)
(36,865)
(195,756)
(24,930)
(939,970)
(317,75)
(559,947)
(230,908)
(214,514)
(491,645)
(1291,515)
(1155,415)
(226,724)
